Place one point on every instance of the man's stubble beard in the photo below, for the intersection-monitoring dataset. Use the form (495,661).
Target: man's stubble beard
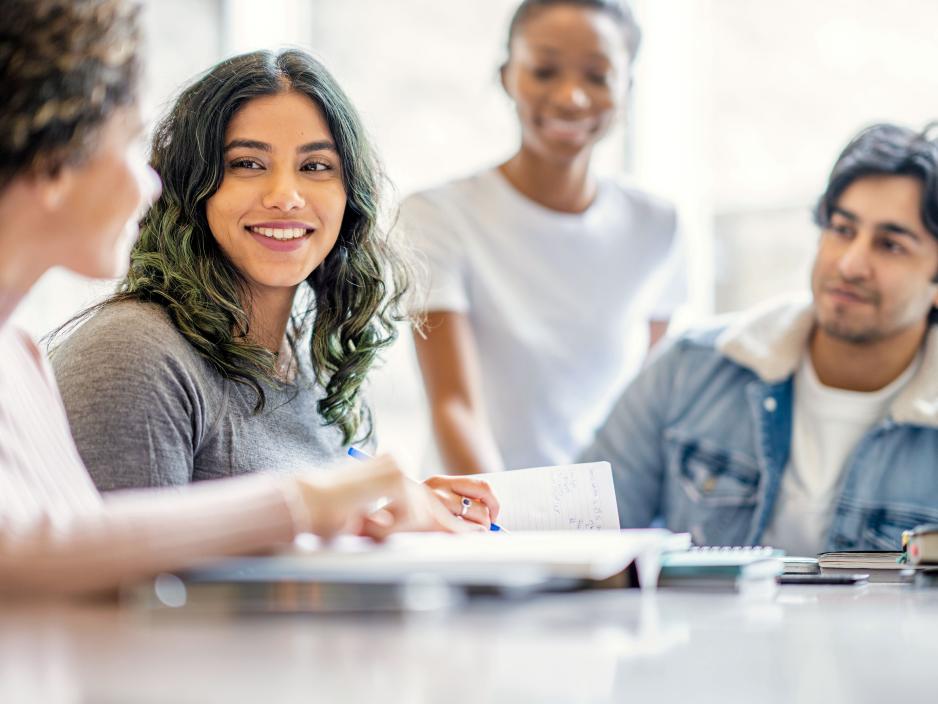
(844,333)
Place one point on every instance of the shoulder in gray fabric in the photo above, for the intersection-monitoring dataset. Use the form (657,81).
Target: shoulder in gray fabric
(146,409)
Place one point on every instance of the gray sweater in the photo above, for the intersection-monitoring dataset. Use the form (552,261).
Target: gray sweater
(147,410)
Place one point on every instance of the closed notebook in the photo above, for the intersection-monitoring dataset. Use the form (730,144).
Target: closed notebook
(881,565)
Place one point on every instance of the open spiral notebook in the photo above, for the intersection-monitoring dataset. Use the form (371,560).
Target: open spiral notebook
(565,497)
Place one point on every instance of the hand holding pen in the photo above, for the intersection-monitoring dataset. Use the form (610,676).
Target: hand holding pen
(467,498)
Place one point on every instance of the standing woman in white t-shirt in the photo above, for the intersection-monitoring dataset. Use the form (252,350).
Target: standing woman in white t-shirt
(543,275)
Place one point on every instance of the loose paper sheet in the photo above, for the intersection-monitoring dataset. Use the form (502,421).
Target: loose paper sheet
(566,497)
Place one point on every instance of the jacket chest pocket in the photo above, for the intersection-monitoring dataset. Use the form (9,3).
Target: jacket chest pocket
(711,476)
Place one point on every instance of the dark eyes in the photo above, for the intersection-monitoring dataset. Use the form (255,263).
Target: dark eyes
(543,73)
(891,245)
(255,165)
(547,73)
(883,242)
(245,164)
(844,230)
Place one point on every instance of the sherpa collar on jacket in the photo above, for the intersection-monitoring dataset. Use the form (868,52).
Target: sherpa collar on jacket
(771,339)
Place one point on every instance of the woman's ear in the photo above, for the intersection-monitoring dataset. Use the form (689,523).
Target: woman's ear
(503,78)
(52,190)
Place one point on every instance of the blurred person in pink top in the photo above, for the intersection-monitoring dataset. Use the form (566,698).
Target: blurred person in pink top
(72,179)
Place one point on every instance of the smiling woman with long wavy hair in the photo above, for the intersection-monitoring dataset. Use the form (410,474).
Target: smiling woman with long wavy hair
(259,293)
(178,262)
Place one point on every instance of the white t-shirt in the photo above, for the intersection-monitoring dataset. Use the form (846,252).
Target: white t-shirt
(826,427)
(558,302)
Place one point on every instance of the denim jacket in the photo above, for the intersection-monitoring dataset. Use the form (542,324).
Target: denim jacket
(699,440)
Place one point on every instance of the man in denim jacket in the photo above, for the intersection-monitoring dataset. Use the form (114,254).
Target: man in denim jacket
(810,425)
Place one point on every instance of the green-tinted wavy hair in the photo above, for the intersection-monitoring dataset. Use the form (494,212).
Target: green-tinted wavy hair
(353,297)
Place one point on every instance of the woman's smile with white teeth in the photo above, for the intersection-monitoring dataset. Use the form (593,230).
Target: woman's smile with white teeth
(280,233)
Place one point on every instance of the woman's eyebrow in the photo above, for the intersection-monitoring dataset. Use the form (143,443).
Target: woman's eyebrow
(317,146)
(247,144)
(321,145)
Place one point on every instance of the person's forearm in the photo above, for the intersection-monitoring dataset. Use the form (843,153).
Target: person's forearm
(137,534)
(465,440)
(452,378)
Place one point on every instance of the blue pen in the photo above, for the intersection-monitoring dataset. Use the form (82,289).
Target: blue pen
(359,455)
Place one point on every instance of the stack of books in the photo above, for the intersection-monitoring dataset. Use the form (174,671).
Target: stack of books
(880,565)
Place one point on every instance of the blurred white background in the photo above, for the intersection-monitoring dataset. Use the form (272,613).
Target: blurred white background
(738,111)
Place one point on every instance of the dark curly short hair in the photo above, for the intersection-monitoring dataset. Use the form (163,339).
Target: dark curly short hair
(65,67)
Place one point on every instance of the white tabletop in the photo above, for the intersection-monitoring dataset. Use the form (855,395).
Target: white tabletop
(827,644)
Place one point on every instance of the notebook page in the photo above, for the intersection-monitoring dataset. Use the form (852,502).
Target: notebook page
(566,497)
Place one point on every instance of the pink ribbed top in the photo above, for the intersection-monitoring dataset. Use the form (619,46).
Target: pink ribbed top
(57,533)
